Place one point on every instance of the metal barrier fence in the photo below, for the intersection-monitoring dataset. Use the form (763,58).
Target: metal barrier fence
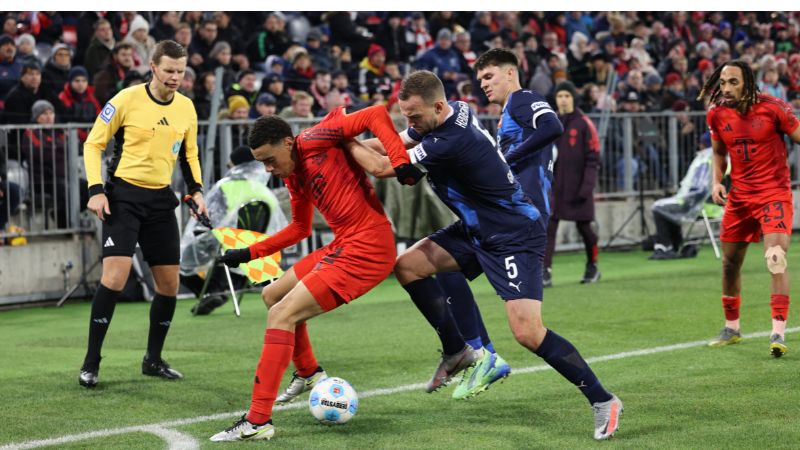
(41,168)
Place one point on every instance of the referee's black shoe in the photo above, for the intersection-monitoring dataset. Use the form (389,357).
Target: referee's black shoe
(160,368)
(88,376)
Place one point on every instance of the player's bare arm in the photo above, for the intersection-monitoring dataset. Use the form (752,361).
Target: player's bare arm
(370,159)
(720,165)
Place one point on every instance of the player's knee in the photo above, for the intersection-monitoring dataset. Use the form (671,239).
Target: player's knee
(776,259)
(407,270)
(529,335)
(730,265)
(269,296)
(114,280)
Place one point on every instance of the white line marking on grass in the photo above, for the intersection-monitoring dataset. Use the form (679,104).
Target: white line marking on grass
(177,440)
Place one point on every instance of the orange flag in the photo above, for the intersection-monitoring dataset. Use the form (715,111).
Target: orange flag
(257,270)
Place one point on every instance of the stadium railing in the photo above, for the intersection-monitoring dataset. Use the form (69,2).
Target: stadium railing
(641,150)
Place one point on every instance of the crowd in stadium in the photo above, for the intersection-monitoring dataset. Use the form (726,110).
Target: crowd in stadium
(304,64)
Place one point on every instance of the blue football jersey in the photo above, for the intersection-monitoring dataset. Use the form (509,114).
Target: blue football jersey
(471,177)
(518,121)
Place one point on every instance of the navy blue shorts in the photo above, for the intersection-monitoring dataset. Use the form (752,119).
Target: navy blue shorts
(512,263)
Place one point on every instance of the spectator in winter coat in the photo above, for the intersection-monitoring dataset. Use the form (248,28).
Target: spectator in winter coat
(45,151)
(26,48)
(320,88)
(372,78)
(109,80)
(78,103)
(202,43)
(10,66)
(300,108)
(446,62)
(299,76)
(265,106)
(143,44)
(221,56)
(417,34)
(271,40)
(575,177)
(165,26)
(319,51)
(20,99)
(203,90)
(100,48)
(56,71)
(392,37)
(273,84)
(230,33)
(244,86)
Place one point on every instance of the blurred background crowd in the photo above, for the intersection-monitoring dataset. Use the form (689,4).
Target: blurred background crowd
(302,64)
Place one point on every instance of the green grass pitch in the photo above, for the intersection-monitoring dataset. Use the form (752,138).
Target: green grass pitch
(689,397)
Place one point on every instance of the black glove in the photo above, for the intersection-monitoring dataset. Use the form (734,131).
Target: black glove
(408,174)
(232,258)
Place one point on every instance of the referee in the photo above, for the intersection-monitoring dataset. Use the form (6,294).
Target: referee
(154,127)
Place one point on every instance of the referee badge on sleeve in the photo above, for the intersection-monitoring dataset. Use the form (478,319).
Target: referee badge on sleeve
(108,112)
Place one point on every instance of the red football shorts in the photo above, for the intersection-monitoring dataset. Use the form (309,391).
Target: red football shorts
(746,219)
(348,267)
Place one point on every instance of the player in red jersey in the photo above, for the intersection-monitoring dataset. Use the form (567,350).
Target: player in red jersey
(749,127)
(318,172)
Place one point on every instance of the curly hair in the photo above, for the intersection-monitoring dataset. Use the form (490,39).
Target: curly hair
(268,130)
(749,93)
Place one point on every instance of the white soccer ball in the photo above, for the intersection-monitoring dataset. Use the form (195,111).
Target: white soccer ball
(333,401)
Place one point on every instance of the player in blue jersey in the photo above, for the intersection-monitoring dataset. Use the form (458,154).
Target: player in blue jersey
(499,232)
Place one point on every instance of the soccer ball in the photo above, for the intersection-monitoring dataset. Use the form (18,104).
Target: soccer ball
(333,401)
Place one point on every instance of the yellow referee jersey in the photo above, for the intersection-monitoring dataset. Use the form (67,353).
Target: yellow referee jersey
(151,136)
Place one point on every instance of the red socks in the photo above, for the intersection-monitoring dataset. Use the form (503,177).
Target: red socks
(780,306)
(731,307)
(303,357)
(275,356)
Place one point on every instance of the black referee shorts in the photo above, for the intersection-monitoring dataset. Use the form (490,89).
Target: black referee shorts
(146,216)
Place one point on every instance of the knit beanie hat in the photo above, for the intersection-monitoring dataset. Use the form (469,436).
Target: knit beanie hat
(569,87)
(39,108)
(78,71)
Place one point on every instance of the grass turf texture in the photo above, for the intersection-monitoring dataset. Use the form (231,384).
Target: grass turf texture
(733,397)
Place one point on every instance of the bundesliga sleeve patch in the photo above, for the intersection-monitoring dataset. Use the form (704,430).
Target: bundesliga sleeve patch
(417,154)
(108,112)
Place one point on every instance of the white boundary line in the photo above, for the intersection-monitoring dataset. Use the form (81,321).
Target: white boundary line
(177,440)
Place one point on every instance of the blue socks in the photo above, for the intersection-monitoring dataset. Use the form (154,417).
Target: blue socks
(564,357)
(432,303)
(464,309)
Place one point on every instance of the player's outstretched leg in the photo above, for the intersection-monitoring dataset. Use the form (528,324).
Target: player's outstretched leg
(308,372)
(491,367)
(457,355)
(279,341)
(524,317)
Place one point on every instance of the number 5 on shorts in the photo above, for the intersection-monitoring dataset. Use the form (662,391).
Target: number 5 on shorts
(511,268)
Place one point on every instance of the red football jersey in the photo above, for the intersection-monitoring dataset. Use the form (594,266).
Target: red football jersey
(327,176)
(755,143)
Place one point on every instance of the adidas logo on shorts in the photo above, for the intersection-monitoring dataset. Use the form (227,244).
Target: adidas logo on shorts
(109,242)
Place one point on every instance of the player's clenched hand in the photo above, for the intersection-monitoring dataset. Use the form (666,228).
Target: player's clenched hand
(719,194)
(408,174)
(232,258)
(98,204)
